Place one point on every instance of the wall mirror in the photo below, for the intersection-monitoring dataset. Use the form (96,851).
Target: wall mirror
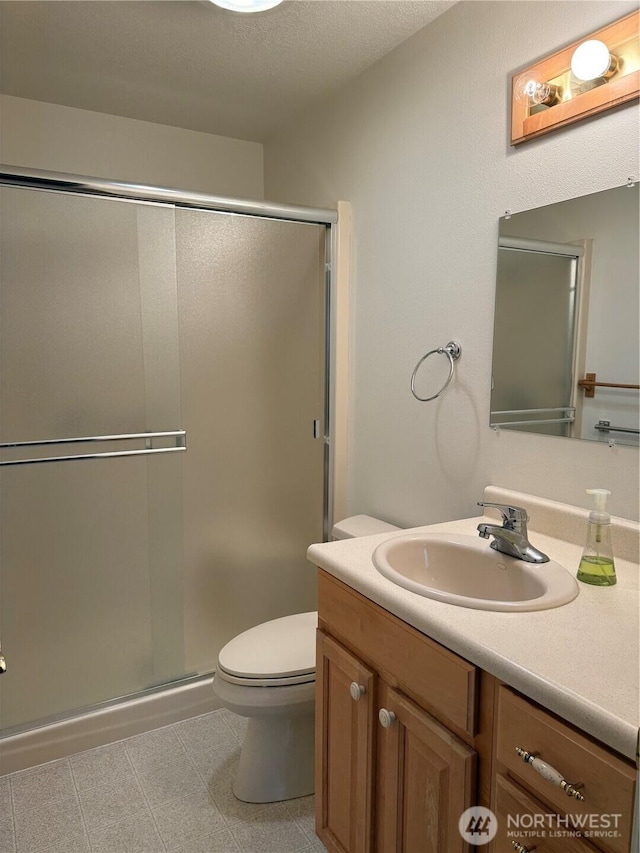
(566,337)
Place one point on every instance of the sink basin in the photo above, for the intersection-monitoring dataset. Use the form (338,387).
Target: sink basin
(466,571)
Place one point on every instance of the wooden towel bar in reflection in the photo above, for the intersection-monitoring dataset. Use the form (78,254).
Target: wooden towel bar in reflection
(589,385)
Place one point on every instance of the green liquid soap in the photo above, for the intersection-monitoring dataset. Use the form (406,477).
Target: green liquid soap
(597,566)
(599,571)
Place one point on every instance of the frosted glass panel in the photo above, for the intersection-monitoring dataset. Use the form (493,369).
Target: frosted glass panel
(90,551)
(71,325)
(533,336)
(251,315)
(76,616)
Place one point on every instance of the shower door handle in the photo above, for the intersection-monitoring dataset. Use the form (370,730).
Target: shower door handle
(179,437)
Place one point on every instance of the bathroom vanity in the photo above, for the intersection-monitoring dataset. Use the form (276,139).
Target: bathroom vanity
(421,707)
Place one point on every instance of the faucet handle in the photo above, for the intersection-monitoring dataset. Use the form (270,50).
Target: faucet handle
(510,514)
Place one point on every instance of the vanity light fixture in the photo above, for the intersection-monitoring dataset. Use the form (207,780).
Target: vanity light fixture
(246,6)
(581,80)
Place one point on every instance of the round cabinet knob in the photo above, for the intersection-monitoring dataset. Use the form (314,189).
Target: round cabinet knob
(357,691)
(387,718)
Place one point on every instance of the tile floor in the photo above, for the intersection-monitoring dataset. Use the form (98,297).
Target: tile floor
(166,790)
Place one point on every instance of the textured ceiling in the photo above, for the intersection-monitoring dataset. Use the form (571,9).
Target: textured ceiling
(190,64)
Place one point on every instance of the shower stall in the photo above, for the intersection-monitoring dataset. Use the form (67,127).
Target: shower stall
(164,453)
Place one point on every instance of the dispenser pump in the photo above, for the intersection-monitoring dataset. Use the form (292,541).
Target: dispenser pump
(597,566)
(600,514)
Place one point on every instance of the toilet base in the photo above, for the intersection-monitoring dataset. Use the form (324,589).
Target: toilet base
(276,761)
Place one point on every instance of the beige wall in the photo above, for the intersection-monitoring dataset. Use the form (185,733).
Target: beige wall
(419,145)
(64,139)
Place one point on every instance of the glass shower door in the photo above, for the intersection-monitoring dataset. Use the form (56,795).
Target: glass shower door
(90,549)
(252,337)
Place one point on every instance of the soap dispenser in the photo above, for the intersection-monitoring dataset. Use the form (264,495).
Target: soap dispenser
(596,565)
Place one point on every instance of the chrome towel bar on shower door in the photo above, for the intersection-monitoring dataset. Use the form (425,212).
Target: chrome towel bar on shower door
(179,436)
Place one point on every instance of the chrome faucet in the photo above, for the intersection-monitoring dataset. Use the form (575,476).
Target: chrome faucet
(511,537)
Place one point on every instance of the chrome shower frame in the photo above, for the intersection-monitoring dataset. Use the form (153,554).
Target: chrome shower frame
(125,716)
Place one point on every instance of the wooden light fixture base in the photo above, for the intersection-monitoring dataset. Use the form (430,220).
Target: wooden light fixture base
(622,39)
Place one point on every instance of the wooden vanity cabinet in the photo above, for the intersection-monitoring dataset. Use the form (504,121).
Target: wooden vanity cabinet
(396,718)
(398,782)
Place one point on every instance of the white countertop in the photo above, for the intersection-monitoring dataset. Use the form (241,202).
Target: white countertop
(580,660)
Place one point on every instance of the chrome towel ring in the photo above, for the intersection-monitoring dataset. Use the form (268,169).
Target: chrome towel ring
(452,351)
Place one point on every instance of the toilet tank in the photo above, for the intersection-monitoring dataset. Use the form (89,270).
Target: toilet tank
(360,525)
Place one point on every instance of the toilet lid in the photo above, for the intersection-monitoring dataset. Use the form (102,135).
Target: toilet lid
(281,648)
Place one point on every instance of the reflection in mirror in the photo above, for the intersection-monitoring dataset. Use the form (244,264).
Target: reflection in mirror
(567,308)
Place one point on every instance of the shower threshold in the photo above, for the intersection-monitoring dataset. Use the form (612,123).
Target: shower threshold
(106,722)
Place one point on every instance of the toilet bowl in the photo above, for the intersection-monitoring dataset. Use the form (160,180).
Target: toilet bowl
(268,674)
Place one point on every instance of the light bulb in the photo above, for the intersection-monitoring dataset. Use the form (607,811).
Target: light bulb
(247,6)
(591,60)
(531,91)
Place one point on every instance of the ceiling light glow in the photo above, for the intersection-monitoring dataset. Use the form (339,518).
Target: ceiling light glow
(246,6)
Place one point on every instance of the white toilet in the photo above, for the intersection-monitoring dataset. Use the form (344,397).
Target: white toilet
(268,674)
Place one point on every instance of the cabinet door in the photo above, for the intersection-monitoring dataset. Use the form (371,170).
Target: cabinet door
(344,749)
(426,780)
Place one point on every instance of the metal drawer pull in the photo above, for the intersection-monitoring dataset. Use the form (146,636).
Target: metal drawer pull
(551,774)
(387,718)
(357,691)
(520,848)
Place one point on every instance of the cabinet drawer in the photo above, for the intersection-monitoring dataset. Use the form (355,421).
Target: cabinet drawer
(523,820)
(608,782)
(442,682)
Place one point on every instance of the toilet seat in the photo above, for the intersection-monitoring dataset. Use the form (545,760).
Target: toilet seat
(278,653)
(284,681)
